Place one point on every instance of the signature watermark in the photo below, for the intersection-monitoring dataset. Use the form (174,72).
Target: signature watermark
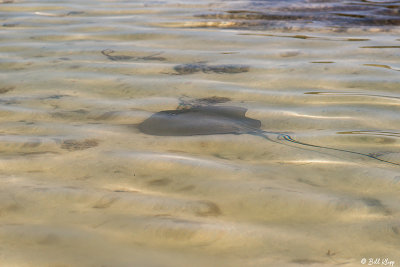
(377,261)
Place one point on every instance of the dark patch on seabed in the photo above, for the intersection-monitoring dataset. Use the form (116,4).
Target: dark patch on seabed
(306,261)
(376,205)
(74,145)
(201,67)
(110,54)
(207,208)
(6,89)
(160,182)
(187,103)
(309,13)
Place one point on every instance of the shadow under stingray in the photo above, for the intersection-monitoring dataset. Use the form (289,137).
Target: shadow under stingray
(211,119)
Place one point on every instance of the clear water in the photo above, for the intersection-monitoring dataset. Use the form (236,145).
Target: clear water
(82,186)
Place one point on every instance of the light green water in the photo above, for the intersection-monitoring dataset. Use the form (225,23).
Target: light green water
(82,186)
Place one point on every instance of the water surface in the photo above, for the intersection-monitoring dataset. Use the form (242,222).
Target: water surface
(82,186)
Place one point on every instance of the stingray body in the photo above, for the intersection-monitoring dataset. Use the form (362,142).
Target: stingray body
(200,120)
(210,120)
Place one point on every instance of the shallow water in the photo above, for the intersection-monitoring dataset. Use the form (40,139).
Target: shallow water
(82,186)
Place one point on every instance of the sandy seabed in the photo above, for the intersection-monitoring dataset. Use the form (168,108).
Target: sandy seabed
(82,186)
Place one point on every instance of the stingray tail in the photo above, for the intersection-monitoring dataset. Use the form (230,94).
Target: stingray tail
(264,134)
(287,137)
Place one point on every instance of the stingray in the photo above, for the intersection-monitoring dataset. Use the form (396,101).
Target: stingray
(200,120)
(211,120)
